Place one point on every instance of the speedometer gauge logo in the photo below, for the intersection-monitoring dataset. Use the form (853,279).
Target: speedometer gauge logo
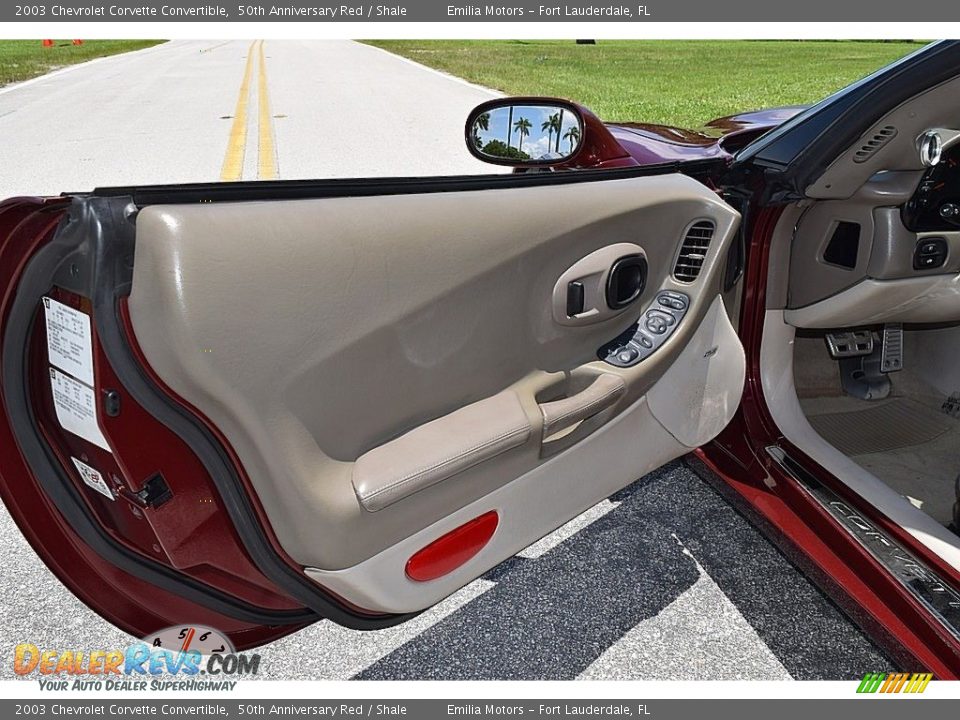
(191,638)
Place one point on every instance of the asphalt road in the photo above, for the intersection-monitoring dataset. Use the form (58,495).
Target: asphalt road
(663,580)
(169,114)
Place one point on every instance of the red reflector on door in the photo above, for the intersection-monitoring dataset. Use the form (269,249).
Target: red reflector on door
(449,552)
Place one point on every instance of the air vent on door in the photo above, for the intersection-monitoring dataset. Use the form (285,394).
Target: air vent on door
(694,250)
(880,138)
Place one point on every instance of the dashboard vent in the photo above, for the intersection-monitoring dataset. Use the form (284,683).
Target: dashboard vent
(880,138)
(694,250)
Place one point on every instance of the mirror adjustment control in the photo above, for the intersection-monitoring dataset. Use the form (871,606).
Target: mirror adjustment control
(660,315)
(655,325)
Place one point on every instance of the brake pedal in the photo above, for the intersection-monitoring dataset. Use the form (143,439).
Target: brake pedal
(852,343)
(891,357)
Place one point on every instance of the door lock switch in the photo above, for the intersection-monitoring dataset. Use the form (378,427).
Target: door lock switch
(574,298)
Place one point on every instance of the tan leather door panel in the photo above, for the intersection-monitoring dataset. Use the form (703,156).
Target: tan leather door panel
(379,364)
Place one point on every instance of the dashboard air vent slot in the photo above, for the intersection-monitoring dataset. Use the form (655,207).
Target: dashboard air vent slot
(694,250)
(880,138)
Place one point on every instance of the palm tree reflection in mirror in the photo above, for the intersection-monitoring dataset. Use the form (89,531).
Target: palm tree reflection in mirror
(522,128)
(552,125)
(482,123)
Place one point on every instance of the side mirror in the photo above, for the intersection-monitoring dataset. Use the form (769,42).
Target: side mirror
(527,131)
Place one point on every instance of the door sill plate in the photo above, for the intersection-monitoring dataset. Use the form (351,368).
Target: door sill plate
(922,582)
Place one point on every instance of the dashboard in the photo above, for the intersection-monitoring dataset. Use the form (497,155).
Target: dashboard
(935,205)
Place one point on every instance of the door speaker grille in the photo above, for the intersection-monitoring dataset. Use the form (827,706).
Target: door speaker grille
(694,250)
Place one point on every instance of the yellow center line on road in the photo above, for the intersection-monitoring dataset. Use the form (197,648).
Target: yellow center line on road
(232,169)
(267,151)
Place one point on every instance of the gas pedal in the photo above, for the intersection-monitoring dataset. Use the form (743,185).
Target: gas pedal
(891,357)
(853,343)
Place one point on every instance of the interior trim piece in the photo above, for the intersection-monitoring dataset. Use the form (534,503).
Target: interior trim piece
(438,450)
(699,394)
(567,412)
(630,445)
(553,493)
(593,274)
(925,299)
(921,582)
(366,187)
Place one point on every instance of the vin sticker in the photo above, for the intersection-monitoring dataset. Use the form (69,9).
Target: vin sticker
(76,408)
(69,343)
(93,478)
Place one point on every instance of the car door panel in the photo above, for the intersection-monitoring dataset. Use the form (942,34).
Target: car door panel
(633,443)
(406,344)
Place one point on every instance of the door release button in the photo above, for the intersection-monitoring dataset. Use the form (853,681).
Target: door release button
(626,280)
(653,328)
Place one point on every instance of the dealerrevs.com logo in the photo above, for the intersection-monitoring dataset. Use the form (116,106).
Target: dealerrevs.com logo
(187,657)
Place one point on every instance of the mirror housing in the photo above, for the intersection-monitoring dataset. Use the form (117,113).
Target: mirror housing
(526,132)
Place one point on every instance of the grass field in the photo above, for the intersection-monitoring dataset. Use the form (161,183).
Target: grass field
(24,59)
(675,82)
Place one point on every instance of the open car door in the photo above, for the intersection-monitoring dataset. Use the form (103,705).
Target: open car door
(258,404)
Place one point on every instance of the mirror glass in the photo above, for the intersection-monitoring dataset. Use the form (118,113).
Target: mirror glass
(527,133)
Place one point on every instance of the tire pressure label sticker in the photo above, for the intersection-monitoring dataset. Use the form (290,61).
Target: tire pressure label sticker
(76,408)
(69,342)
(93,478)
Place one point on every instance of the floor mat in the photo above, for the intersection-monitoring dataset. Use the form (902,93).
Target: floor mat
(891,425)
(911,446)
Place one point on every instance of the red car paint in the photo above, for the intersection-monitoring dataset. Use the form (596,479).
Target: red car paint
(25,225)
(191,532)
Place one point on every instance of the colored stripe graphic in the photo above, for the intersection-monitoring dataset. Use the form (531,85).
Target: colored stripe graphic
(894,683)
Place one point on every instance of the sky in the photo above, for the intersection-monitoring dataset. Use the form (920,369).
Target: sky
(534,144)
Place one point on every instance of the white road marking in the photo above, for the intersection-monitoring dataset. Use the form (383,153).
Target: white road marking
(339,654)
(564,532)
(727,648)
